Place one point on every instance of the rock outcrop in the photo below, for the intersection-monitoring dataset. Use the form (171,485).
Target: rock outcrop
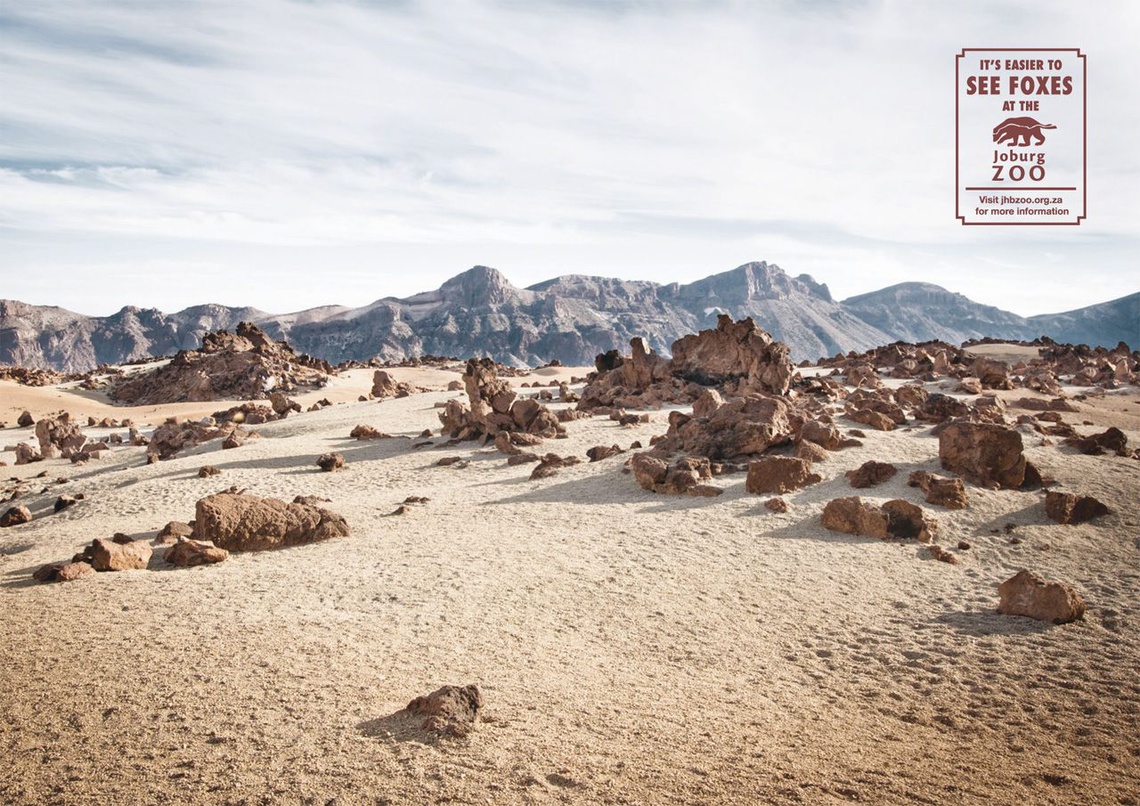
(244,522)
(1030,594)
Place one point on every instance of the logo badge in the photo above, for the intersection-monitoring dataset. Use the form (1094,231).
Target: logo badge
(1021,121)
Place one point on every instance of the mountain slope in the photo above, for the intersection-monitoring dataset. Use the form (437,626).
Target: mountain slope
(570,318)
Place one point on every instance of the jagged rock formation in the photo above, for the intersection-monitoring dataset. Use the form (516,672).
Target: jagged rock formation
(246,364)
(570,318)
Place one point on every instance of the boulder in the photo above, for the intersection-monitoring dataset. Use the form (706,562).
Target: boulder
(450,710)
(1067,508)
(173,532)
(65,501)
(682,477)
(940,490)
(363,433)
(112,555)
(600,452)
(384,385)
(776,505)
(871,473)
(907,521)
(992,373)
(779,474)
(1112,440)
(188,553)
(206,471)
(810,452)
(851,516)
(824,434)
(734,352)
(982,453)
(16,516)
(330,462)
(26,420)
(282,404)
(59,436)
(244,522)
(26,454)
(939,408)
(1029,594)
(63,572)
(550,464)
(741,427)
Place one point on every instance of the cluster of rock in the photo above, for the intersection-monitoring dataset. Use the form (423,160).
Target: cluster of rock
(736,357)
(495,408)
(246,365)
(59,436)
(176,435)
(224,522)
(1077,365)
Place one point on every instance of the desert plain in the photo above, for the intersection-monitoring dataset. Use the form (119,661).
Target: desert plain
(630,647)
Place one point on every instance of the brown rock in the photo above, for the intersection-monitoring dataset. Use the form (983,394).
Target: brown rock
(741,427)
(824,434)
(16,516)
(523,458)
(26,454)
(939,490)
(600,452)
(26,419)
(875,419)
(450,710)
(776,505)
(65,501)
(906,520)
(1029,594)
(810,452)
(734,351)
(871,473)
(63,572)
(363,433)
(992,373)
(112,555)
(779,474)
(984,454)
(206,471)
(172,532)
(1111,441)
(188,553)
(243,522)
(282,405)
(1068,508)
(851,516)
(941,554)
(447,461)
(939,408)
(550,464)
(330,462)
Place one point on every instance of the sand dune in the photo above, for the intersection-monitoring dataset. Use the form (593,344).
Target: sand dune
(631,647)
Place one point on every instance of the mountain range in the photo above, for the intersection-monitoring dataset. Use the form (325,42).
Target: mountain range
(570,319)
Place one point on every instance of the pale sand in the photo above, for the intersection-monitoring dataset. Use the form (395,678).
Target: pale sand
(631,647)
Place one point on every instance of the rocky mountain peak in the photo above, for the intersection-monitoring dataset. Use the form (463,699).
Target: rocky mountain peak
(478,287)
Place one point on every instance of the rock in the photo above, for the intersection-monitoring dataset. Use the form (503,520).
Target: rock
(941,554)
(741,427)
(600,452)
(206,471)
(59,436)
(384,385)
(871,473)
(363,433)
(776,505)
(450,710)
(734,351)
(550,464)
(282,405)
(875,419)
(1029,594)
(65,501)
(779,474)
(26,454)
(26,419)
(173,531)
(939,490)
(523,458)
(112,555)
(330,462)
(175,435)
(189,553)
(455,386)
(1067,508)
(984,454)
(851,516)
(906,520)
(244,522)
(939,408)
(1111,441)
(810,452)
(682,477)
(824,434)
(238,437)
(447,461)
(16,516)
(63,572)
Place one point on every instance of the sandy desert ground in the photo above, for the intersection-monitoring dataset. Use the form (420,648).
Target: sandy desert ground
(632,648)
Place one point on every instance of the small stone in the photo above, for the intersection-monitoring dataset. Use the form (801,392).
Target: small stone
(330,462)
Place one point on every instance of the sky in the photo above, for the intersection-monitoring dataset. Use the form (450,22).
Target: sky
(284,154)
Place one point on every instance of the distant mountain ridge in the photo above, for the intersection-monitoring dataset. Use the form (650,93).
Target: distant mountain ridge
(569,318)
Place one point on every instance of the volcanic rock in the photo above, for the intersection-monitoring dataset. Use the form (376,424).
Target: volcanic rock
(63,572)
(26,454)
(59,436)
(984,454)
(741,427)
(550,464)
(1029,594)
(871,473)
(330,462)
(735,352)
(1111,441)
(173,532)
(906,520)
(779,474)
(940,490)
(25,419)
(16,516)
(364,433)
(244,522)
(189,553)
(112,555)
(682,477)
(1068,508)
(600,452)
(851,516)
(450,710)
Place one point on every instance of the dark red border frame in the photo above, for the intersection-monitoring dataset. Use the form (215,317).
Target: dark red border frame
(1084,142)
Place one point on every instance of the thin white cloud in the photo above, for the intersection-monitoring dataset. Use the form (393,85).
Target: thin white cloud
(531,130)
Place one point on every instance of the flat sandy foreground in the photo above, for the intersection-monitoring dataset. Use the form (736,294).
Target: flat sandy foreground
(631,647)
